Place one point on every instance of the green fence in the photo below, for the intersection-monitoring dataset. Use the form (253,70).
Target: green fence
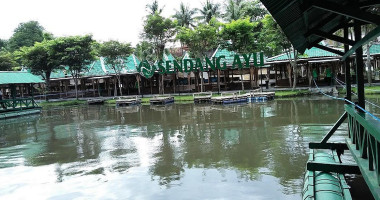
(18,104)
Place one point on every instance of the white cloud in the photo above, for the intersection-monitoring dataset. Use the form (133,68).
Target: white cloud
(112,19)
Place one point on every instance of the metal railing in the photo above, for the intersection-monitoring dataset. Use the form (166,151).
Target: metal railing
(364,143)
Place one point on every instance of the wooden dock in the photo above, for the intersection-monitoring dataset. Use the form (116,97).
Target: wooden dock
(202,97)
(161,100)
(95,101)
(128,101)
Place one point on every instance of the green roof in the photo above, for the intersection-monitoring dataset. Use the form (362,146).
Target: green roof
(309,53)
(10,77)
(374,49)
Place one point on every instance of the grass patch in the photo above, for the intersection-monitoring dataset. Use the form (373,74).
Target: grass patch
(62,103)
(367,90)
(290,93)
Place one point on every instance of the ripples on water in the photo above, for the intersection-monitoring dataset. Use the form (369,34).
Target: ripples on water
(180,151)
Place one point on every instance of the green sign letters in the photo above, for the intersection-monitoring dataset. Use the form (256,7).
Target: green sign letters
(191,65)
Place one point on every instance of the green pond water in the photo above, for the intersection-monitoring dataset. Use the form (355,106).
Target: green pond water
(178,151)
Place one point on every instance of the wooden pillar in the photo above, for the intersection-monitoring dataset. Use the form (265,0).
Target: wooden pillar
(21,88)
(251,76)
(151,85)
(359,66)
(93,87)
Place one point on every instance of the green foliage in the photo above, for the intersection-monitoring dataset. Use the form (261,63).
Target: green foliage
(3,44)
(184,16)
(158,30)
(7,61)
(201,39)
(114,53)
(271,37)
(26,34)
(144,51)
(233,10)
(154,8)
(75,51)
(240,36)
(40,58)
(209,10)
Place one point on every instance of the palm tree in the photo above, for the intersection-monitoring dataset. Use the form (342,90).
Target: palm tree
(209,10)
(233,10)
(153,8)
(185,15)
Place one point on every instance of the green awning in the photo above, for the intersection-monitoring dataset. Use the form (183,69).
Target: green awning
(11,77)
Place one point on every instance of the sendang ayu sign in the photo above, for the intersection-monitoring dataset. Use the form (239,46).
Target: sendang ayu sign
(240,61)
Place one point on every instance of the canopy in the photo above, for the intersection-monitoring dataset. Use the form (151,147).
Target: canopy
(11,77)
(306,23)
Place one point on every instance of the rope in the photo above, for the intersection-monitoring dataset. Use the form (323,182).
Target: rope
(348,101)
(373,104)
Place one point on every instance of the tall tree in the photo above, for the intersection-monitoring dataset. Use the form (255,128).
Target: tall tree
(115,54)
(7,62)
(26,34)
(184,15)
(273,40)
(40,59)
(158,30)
(209,10)
(200,40)
(253,9)
(240,36)
(75,52)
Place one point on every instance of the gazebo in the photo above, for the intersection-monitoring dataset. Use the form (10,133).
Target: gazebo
(17,89)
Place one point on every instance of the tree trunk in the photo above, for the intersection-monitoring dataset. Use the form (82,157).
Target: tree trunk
(47,83)
(201,81)
(115,87)
(138,78)
(76,85)
(119,83)
(294,66)
(289,74)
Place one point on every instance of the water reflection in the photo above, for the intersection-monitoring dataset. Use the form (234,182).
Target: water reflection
(179,147)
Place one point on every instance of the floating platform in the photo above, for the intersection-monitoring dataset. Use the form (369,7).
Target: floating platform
(130,101)
(229,97)
(321,185)
(260,96)
(5,114)
(161,100)
(202,97)
(95,101)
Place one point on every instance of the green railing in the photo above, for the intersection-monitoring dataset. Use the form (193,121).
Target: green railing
(18,104)
(364,144)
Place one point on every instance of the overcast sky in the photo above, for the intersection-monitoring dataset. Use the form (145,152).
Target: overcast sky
(106,19)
